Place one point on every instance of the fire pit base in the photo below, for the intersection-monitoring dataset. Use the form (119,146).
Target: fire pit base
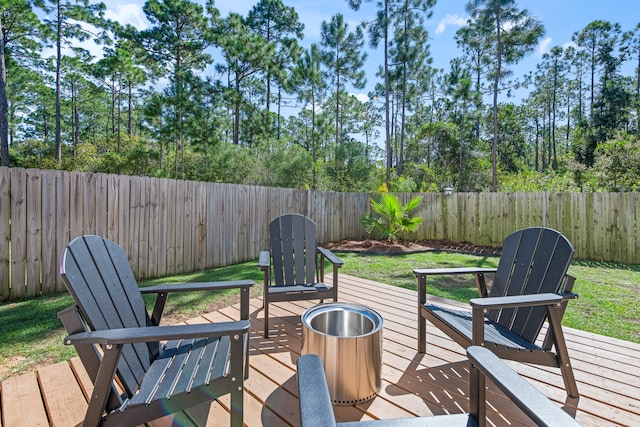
(348,339)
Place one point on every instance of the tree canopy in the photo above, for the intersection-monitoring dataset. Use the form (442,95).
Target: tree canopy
(243,99)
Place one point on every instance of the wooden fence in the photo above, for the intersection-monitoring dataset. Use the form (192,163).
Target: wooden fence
(169,227)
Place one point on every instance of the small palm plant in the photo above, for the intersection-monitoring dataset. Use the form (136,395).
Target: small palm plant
(390,217)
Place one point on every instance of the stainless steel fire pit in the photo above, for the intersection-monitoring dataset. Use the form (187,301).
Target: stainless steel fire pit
(348,339)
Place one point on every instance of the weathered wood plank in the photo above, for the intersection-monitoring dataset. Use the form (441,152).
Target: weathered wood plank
(181,220)
(49,225)
(82,377)
(102,207)
(22,403)
(18,232)
(171,227)
(163,229)
(143,229)
(63,398)
(88,213)
(63,214)
(34,233)
(155,229)
(113,203)
(213,225)
(124,201)
(76,192)
(200,242)
(132,246)
(5,230)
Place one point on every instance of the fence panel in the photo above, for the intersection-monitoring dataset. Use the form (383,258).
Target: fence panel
(169,227)
(5,231)
(49,225)
(34,232)
(18,232)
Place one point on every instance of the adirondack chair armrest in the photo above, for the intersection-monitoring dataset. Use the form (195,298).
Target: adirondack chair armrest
(330,256)
(264,260)
(196,286)
(478,272)
(315,402)
(162,292)
(516,301)
(530,400)
(158,333)
(452,270)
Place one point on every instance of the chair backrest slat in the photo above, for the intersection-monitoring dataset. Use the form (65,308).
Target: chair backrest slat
(98,276)
(297,225)
(293,250)
(534,260)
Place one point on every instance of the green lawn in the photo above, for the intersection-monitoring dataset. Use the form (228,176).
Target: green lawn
(31,334)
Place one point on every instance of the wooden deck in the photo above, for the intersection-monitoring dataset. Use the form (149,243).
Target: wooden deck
(607,371)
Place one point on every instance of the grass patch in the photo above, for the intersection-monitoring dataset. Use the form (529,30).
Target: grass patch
(397,270)
(31,334)
(186,305)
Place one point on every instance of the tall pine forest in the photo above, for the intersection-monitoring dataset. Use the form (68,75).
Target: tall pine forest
(243,99)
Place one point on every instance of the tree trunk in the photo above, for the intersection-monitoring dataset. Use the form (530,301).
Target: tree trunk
(494,146)
(554,164)
(568,119)
(58,84)
(4,122)
(537,159)
(236,121)
(313,140)
(130,108)
(386,93)
(337,105)
(403,113)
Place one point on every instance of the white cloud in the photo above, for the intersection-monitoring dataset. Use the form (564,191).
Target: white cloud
(89,45)
(544,45)
(362,97)
(454,20)
(128,14)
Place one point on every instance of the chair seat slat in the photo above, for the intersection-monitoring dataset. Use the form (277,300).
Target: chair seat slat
(206,363)
(184,378)
(220,364)
(300,288)
(494,333)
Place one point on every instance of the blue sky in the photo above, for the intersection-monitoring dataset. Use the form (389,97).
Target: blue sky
(561,19)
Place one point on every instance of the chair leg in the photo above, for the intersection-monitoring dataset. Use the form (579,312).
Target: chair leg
(477,395)
(562,352)
(422,333)
(422,322)
(266,317)
(237,377)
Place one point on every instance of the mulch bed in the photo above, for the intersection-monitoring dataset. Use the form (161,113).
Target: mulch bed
(404,247)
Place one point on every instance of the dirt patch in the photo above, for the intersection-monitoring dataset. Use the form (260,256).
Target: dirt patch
(383,246)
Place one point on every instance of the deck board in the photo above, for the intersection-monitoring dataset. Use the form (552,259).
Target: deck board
(607,371)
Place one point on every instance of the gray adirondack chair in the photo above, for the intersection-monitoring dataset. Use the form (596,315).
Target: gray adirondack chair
(142,371)
(316,409)
(294,265)
(530,286)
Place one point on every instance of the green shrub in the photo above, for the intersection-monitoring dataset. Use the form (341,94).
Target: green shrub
(390,217)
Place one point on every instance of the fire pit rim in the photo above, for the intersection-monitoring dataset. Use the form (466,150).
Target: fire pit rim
(361,309)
